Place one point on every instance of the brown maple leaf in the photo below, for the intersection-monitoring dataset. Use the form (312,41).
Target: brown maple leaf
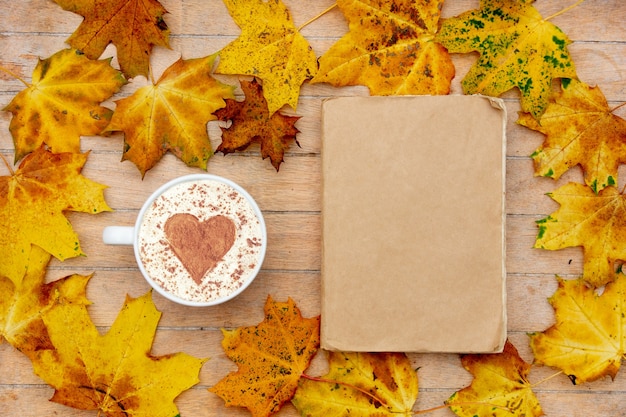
(133,26)
(580,129)
(252,123)
(32,202)
(271,357)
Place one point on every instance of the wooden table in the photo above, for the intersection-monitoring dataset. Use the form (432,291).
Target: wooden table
(290,200)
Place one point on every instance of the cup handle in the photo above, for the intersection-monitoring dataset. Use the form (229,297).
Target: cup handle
(118,235)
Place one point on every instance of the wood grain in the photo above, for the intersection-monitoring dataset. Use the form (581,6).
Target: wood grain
(290,200)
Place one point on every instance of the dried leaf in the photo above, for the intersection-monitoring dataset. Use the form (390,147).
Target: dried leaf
(171,115)
(270,357)
(363,384)
(389,48)
(588,340)
(597,222)
(21,307)
(115,372)
(580,129)
(133,26)
(251,122)
(32,202)
(270,48)
(517,47)
(62,103)
(500,387)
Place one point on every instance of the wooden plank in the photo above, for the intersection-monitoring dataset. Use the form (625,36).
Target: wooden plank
(293,241)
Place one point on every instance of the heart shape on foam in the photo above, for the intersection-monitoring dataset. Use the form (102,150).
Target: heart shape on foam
(199,245)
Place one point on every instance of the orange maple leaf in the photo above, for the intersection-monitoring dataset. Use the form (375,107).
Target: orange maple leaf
(580,128)
(597,222)
(500,387)
(133,26)
(32,202)
(251,122)
(271,357)
(389,48)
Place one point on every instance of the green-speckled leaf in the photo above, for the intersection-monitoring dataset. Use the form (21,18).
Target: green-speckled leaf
(597,222)
(580,129)
(517,47)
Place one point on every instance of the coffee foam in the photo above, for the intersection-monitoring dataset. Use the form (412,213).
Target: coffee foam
(203,199)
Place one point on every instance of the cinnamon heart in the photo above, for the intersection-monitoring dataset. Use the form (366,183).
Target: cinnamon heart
(199,245)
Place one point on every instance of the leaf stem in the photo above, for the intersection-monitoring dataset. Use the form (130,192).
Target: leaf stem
(617,107)
(425,411)
(345,384)
(14,75)
(460,404)
(316,17)
(151,75)
(6,163)
(546,379)
(567,9)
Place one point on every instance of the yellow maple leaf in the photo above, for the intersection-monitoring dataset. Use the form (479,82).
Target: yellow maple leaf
(62,103)
(517,46)
(133,26)
(363,384)
(21,307)
(580,128)
(115,372)
(32,202)
(588,340)
(171,115)
(500,387)
(389,48)
(270,357)
(270,48)
(597,222)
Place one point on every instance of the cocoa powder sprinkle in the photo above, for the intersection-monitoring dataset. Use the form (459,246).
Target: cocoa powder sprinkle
(202,199)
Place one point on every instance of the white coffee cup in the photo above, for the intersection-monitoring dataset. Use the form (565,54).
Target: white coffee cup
(206,197)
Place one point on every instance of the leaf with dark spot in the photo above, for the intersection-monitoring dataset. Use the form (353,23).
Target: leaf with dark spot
(390,49)
(271,357)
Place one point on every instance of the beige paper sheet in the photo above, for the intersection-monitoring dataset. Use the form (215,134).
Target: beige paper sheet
(413,253)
